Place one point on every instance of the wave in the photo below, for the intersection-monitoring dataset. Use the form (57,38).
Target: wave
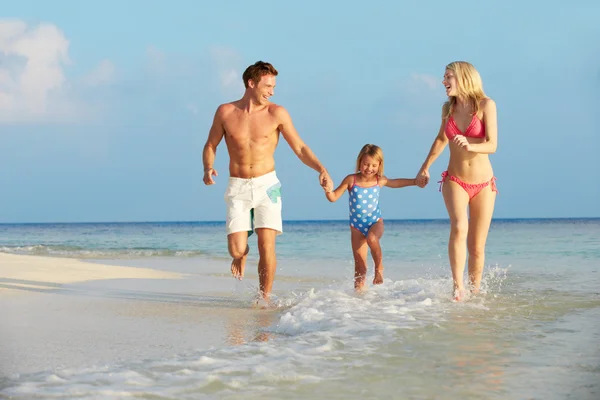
(102,253)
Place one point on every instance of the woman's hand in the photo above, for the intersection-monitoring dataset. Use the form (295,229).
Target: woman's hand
(462,142)
(422,178)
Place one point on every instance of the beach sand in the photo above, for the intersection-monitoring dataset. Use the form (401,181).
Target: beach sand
(21,272)
(60,313)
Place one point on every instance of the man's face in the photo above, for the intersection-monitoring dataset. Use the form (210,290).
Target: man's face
(264,89)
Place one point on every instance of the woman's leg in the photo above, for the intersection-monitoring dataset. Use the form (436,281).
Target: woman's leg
(481,209)
(457,199)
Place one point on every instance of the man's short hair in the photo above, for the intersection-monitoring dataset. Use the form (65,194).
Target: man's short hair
(256,71)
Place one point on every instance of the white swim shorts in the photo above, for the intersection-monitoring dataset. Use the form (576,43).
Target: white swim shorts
(254,203)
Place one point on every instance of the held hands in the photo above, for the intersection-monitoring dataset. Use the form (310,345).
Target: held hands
(462,142)
(208,174)
(325,181)
(422,178)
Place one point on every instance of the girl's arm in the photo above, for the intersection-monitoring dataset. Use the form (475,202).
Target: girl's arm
(397,183)
(334,195)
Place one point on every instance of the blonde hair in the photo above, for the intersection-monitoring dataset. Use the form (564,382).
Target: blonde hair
(372,151)
(470,86)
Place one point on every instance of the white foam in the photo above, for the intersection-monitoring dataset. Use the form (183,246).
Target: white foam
(318,330)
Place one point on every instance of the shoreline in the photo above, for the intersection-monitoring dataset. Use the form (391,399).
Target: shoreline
(65,313)
(23,272)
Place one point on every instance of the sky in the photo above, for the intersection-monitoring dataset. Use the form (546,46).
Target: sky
(105,106)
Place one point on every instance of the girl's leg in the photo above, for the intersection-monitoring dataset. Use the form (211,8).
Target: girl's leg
(359,251)
(375,233)
(457,199)
(481,209)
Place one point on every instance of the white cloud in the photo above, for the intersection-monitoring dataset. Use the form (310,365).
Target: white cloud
(193,108)
(103,74)
(194,81)
(415,102)
(156,60)
(33,85)
(420,82)
(227,62)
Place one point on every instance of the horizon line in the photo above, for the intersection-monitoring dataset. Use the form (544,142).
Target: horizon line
(291,220)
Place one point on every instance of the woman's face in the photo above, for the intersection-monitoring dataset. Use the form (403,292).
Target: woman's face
(450,83)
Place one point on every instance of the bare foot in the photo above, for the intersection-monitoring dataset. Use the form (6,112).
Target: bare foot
(459,295)
(359,289)
(359,284)
(238,265)
(264,302)
(378,279)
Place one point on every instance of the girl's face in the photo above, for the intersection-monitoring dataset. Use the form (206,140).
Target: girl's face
(369,166)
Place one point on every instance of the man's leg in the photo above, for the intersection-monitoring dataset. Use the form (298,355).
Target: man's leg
(238,224)
(267,263)
(237,243)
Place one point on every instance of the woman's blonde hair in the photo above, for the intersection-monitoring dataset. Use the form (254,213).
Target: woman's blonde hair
(372,151)
(470,86)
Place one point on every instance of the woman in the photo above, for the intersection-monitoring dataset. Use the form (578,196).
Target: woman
(469,125)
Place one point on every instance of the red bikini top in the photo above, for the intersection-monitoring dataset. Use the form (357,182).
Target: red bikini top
(476,128)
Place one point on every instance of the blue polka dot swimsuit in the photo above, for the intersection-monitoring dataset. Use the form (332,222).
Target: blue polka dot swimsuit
(364,206)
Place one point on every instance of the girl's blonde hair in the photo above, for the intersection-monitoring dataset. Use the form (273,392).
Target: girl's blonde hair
(470,86)
(372,151)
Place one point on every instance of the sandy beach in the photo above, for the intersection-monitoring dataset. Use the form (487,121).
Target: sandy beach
(62,313)
(22,272)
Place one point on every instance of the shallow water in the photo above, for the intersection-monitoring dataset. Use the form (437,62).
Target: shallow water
(534,333)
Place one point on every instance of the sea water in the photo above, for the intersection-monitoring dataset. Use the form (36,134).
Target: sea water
(533,333)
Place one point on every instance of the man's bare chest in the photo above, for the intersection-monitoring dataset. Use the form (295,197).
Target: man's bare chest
(254,127)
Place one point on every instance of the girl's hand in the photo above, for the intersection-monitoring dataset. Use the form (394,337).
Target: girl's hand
(422,178)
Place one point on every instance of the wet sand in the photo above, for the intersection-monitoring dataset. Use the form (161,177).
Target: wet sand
(63,313)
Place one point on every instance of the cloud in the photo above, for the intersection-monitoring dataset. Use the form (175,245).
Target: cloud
(33,85)
(227,62)
(103,74)
(193,108)
(156,60)
(418,83)
(414,103)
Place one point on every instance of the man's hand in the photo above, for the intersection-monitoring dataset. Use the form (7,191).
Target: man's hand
(208,174)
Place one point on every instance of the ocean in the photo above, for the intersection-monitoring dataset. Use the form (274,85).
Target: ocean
(533,333)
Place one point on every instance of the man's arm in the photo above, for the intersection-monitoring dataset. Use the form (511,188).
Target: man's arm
(301,149)
(215,135)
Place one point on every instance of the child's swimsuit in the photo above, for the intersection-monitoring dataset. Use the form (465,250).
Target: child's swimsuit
(476,129)
(364,206)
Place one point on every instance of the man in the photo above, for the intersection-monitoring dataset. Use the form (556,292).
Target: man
(251,128)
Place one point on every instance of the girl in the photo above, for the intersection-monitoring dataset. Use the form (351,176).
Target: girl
(469,125)
(366,223)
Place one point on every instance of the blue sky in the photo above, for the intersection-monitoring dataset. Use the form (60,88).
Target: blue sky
(105,106)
